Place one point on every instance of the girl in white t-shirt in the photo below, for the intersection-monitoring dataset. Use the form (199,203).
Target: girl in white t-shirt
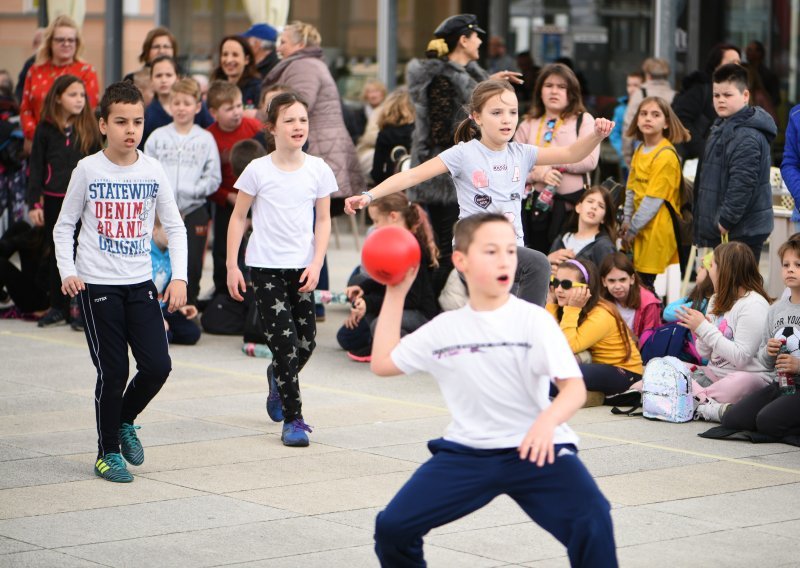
(489,172)
(287,189)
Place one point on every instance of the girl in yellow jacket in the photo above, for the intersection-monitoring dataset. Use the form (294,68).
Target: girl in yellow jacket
(653,186)
(594,324)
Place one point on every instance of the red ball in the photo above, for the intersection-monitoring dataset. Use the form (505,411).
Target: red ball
(389,253)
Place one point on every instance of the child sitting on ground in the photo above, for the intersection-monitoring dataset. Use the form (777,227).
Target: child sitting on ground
(637,305)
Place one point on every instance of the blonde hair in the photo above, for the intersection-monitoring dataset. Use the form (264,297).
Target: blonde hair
(220,93)
(373,84)
(45,52)
(187,86)
(304,34)
(397,109)
(656,67)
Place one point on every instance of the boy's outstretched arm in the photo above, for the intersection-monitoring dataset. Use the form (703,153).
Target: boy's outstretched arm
(552,155)
(387,330)
(537,446)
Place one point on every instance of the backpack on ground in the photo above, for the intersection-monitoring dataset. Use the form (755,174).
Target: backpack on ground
(669,340)
(667,391)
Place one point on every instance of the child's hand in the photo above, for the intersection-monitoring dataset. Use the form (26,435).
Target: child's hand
(787,364)
(627,239)
(551,295)
(559,256)
(553,177)
(603,127)
(773,347)
(578,296)
(175,295)
(72,285)
(353,293)
(689,318)
(37,217)
(357,312)
(236,283)
(311,278)
(356,202)
(722,230)
(537,446)
(189,311)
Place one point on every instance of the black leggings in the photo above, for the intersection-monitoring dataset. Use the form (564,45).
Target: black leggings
(766,411)
(607,379)
(290,327)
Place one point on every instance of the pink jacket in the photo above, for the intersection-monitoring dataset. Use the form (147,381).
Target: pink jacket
(648,316)
(566,135)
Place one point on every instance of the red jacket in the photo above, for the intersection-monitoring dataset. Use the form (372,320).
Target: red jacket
(38,82)
(225,141)
(648,316)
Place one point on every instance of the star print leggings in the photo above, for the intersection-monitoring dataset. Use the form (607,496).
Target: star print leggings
(290,327)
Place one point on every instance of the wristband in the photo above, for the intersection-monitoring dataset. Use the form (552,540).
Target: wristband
(368,194)
(37,205)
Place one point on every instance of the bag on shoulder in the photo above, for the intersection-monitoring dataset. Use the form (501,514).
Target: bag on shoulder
(669,340)
(683,219)
(667,391)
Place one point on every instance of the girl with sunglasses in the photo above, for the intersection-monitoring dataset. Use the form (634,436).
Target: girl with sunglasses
(591,323)
(557,118)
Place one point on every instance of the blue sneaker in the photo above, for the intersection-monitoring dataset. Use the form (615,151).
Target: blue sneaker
(112,467)
(294,433)
(132,449)
(274,404)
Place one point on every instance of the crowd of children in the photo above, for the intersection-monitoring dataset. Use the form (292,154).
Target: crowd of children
(122,227)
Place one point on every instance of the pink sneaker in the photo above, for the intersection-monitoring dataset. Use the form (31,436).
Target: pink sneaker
(359,358)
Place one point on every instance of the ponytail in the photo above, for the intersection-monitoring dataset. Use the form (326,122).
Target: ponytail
(415,218)
(467,130)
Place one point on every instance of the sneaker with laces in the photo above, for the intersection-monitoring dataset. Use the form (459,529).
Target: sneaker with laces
(52,318)
(112,467)
(294,433)
(710,411)
(274,404)
(132,449)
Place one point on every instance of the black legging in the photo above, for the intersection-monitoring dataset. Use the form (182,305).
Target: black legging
(768,412)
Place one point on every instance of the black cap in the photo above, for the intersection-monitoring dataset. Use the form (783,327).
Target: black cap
(461,24)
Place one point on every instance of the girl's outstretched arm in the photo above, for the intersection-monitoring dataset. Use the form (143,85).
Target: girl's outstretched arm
(552,155)
(398,182)
(235,279)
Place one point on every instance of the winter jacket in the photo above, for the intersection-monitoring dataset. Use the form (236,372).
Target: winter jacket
(53,157)
(790,167)
(306,72)
(733,187)
(389,138)
(694,105)
(648,316)
(440,91)
(191,163)
(595,251)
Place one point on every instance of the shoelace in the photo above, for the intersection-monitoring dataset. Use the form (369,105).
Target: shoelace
(299,424)
(129,433)
(114,461)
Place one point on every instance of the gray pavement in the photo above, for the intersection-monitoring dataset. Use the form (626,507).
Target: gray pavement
(218,488)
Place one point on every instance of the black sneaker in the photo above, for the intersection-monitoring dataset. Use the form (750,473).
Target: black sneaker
(52,318)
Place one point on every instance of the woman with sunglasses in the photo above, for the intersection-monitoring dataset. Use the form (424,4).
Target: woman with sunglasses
(58,55)
(591,323)
(557,118)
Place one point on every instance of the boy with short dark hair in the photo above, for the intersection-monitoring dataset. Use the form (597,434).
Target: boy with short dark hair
(506,437)
(733,192)
(116,194)
(225,105)
(190,157)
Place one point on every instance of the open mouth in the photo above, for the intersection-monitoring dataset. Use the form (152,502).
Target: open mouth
(503,278)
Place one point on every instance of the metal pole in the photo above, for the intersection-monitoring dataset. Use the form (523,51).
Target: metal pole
(664,34)
(113,41)
(693,40)
(794,14)
(42,14)
(387,43)
(162,13)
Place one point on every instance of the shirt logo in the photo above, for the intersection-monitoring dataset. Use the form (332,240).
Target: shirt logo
(499,168)
(483,201)
(479,179)
(516,174)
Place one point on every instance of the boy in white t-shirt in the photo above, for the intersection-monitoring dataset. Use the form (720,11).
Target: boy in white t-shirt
(506,436)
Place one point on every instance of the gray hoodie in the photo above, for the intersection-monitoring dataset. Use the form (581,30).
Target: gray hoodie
(191,163)
(732,188)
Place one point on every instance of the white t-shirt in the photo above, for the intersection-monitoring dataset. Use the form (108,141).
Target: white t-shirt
(490,181)
(283,210)
(575,244)
(628,315)
(494,369)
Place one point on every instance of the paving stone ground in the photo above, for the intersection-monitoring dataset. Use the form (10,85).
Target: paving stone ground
(218,488)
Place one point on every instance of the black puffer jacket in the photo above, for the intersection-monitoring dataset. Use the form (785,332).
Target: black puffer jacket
(732,188)
(694,105)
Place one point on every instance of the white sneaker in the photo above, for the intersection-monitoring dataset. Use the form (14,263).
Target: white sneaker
(710,411)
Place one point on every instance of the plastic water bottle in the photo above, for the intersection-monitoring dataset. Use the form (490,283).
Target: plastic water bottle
(256,350)
(699,376)
(328,297)
(544,201)
(785,380)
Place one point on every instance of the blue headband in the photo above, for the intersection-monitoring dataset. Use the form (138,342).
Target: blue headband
(582,268)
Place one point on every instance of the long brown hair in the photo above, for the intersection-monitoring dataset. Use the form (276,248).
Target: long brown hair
(622,262)
(250,70)
(574,98)
(737,270)
(415,218)
(151,37)
(86,130)
(596,299)
(609,223)
(45,52)
(468,129)
(675,132)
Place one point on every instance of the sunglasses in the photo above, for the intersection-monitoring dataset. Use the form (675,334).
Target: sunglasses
(548,136)
(566,284)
